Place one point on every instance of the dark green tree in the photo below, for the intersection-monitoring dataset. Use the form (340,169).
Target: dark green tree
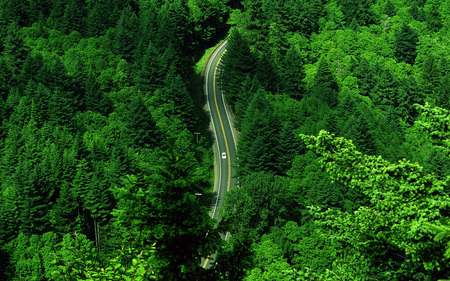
(176,216)
(178,92)
(293,74)
(125,38)
(358,10)
(406,44)
(235,65)
(140,127)
(390,9)
(433,17)
(74,14)
(266,72)
(289,145)
(14,52)
(151,74)
(325,86)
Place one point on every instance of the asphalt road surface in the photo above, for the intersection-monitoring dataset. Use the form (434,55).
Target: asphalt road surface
(224,137)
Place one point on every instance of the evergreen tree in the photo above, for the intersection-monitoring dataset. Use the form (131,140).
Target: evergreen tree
(14,52)
(293,74)
(178,93)
(266,72)
(433,16)
(150,76)
(416,11)
(389,9)
(73,19)
(176,216)
(358,10)
(406,42)
(125,38)
(236,64)
(430,76)
(141,128)
(325,87)
(249,86)
(288,147)
(358,130)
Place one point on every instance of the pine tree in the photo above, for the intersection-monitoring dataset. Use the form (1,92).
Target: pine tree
(433,17)
(389,9)
(64,212)
(266,72)
(289,146)
(176,216)
(178,93)
(14,52)
(416,11)
(73,19)
(235,65)
(293,74)
(358,130)
(150,76)
(406,42)
(141,128)
(325,87)
(125,38)
(430,76)
(249,86)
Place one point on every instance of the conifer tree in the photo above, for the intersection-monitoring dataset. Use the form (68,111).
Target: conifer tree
(236,64)
(406,42)
(266,73)
(150,76)
(293,74)
(389,9)
(325,87)
(73,19)
(175,216)
(125,38)
(14,51)
(430,76)
(178,93)
(249,86)
(288,147)
(141,128)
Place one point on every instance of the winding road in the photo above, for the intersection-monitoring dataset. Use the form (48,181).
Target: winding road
(225,139)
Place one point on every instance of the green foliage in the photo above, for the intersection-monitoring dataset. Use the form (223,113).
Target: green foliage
(403,200)
(406,41)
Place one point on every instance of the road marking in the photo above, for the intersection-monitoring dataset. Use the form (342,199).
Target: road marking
(221,123)
(206,262)
(223,130)
(217,139)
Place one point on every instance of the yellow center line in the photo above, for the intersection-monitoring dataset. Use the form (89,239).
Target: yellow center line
(224,136)
(221,123)
(206,262)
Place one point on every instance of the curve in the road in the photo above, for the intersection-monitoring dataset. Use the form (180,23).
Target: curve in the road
(225,139)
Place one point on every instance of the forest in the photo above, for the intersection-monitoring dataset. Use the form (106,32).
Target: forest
(343,109)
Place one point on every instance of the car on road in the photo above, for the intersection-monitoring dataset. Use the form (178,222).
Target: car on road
(224,155)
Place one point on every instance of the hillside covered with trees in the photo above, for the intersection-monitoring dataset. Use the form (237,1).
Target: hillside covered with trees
(343,154)
(99,160)
(343,109)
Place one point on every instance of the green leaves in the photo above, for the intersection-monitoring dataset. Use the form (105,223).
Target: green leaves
(402,199)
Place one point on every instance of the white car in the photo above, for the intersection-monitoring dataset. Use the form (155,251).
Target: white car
(224,155)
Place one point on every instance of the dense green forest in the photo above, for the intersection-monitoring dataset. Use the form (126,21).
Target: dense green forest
(343,109)
(343,153)
(99,160)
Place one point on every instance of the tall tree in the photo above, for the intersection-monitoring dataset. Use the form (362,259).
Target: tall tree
(141,127)
(325,86)
(406,44)
(293,74)
(236,64)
